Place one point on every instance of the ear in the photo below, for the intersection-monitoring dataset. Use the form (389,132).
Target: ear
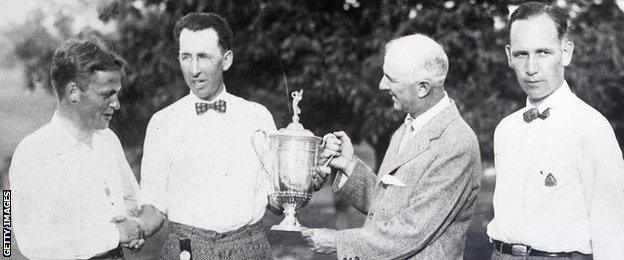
(73,92)
(228,58)
(508,52)
(424,88)
(567,48)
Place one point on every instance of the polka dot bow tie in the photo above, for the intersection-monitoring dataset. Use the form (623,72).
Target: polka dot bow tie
(202,107)
(533,113)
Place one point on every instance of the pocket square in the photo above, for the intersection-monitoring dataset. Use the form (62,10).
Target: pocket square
(391,180)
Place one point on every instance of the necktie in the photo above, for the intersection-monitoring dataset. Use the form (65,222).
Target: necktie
(202,107)
(409,124)
(533,113)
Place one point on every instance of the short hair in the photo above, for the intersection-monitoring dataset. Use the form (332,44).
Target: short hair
(77,60)
(533,9)
(201,21)
(423,53)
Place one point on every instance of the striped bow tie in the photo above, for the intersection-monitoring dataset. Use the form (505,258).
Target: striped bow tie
(533,113)
(201,107)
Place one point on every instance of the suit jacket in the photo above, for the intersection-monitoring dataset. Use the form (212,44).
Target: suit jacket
(429,216)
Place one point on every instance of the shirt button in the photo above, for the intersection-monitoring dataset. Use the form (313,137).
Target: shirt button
(370,215)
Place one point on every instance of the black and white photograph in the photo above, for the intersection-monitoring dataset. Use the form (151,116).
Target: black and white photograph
(312,130)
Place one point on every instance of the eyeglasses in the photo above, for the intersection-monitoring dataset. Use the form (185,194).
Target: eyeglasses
(186,60)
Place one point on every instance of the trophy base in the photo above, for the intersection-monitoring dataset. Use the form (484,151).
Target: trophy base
(290,221)
(288,228)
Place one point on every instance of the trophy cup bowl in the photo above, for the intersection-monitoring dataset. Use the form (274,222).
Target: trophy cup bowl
(290,160)
(289,157)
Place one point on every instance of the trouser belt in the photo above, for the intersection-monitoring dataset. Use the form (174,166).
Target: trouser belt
(524,250)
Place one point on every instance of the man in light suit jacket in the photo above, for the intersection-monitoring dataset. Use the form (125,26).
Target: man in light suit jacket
(420,204)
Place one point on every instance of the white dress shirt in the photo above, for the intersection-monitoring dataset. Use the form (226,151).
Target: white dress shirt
(65,194)
(584,209)
(201,170)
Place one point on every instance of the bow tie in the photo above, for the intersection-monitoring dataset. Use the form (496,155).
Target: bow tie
(533,113)
(201,107)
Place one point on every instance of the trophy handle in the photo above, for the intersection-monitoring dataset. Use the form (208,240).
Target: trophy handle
(322,145)
(261,148)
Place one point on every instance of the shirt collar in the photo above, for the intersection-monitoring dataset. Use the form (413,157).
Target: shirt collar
(223,95)
(422,119)
(554,99)
(64,133)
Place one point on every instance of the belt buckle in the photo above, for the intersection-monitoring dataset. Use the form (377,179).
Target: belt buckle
(520,250)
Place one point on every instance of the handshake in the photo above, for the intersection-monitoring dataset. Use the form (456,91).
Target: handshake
(132,232)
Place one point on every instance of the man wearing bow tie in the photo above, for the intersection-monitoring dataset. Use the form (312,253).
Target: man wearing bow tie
(199,169)
(559,170)
(420,203)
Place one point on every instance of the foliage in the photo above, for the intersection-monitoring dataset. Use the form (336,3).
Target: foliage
(334,51)
(597,70)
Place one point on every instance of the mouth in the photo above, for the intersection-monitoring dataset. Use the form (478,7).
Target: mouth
(532,81)
(198,83)
(394,98)
(108,116)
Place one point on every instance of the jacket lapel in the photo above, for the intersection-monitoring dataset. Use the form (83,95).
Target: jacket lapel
(393,149)
(419,143)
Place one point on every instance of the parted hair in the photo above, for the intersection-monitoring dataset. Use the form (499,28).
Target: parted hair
(77,60)
(532,9)
(201,21)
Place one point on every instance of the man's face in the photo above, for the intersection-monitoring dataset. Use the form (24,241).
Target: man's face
(538,56)
(99,99)
(203,62)
(396,81)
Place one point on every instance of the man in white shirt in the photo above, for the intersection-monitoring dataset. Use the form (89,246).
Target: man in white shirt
(72,186)
(420,203)
(199,168)
(559,170)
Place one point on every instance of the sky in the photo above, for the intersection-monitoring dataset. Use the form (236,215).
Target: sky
(84,12)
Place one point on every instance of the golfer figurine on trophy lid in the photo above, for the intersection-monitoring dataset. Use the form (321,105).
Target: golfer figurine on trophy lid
(289,157)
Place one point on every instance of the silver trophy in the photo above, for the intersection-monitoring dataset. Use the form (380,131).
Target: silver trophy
(289,157)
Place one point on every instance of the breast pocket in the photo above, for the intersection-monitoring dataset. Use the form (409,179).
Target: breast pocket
(549,182)
(394,197)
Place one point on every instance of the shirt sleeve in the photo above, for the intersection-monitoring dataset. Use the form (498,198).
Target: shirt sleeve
(128,179)
(155,166)
(602,175)
(47,222)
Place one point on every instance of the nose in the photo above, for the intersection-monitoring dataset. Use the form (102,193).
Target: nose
(115,104)
(532,66)
(383,84)
(195,68)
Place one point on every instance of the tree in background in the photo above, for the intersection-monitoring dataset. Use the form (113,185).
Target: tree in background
(331,49)
(597,70)
(334,50)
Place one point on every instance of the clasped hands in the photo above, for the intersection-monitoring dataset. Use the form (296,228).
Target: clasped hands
(131,232)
